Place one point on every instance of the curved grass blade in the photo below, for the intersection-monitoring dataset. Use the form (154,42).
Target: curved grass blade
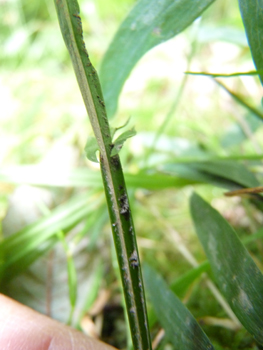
(182,283)
(181,329)
(148,24)
(241,101)
(19,250)
(112,175)
(238,277)
(233,171)
(9,271)
(221,173)
(236,97)
(252,15)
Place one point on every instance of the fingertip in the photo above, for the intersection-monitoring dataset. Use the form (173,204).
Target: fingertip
(22,328)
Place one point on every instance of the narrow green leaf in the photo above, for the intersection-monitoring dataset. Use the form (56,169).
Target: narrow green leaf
(20,249)
(236,274)
(252,15)
(118,143)
(221,173)
(81,177)
(60,218)
(181,329)
(16,268)
(148,24)
(91,149)
(242,101)
(182,283)
(233,171)
(156,181)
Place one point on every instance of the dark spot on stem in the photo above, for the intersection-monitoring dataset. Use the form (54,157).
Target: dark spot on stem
(100,101)
(134,261)
(124,204)
(124,207)
(115,161)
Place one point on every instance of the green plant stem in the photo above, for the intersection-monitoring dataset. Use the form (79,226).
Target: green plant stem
(112,175)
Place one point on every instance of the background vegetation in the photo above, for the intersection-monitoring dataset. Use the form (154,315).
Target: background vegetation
(180,121)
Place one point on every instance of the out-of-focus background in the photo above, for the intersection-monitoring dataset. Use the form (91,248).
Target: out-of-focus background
(44,128)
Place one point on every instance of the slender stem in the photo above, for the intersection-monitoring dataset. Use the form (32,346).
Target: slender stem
(112,175)
(241,101)
(231,75)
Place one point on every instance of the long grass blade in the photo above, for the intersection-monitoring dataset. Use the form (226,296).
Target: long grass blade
(22,248)
(252,15)
(82,177)
(148,24)
(181,329)
(237,275)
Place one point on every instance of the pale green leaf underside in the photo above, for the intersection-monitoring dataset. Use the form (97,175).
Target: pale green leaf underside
(236,274)
(181,329)
(91,149)
(147,25)
(118,143)
(252,15)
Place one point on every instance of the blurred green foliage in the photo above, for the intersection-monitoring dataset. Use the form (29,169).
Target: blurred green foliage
(42,110)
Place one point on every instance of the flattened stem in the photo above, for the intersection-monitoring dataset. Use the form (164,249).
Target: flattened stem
(127,254)
(112,175)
